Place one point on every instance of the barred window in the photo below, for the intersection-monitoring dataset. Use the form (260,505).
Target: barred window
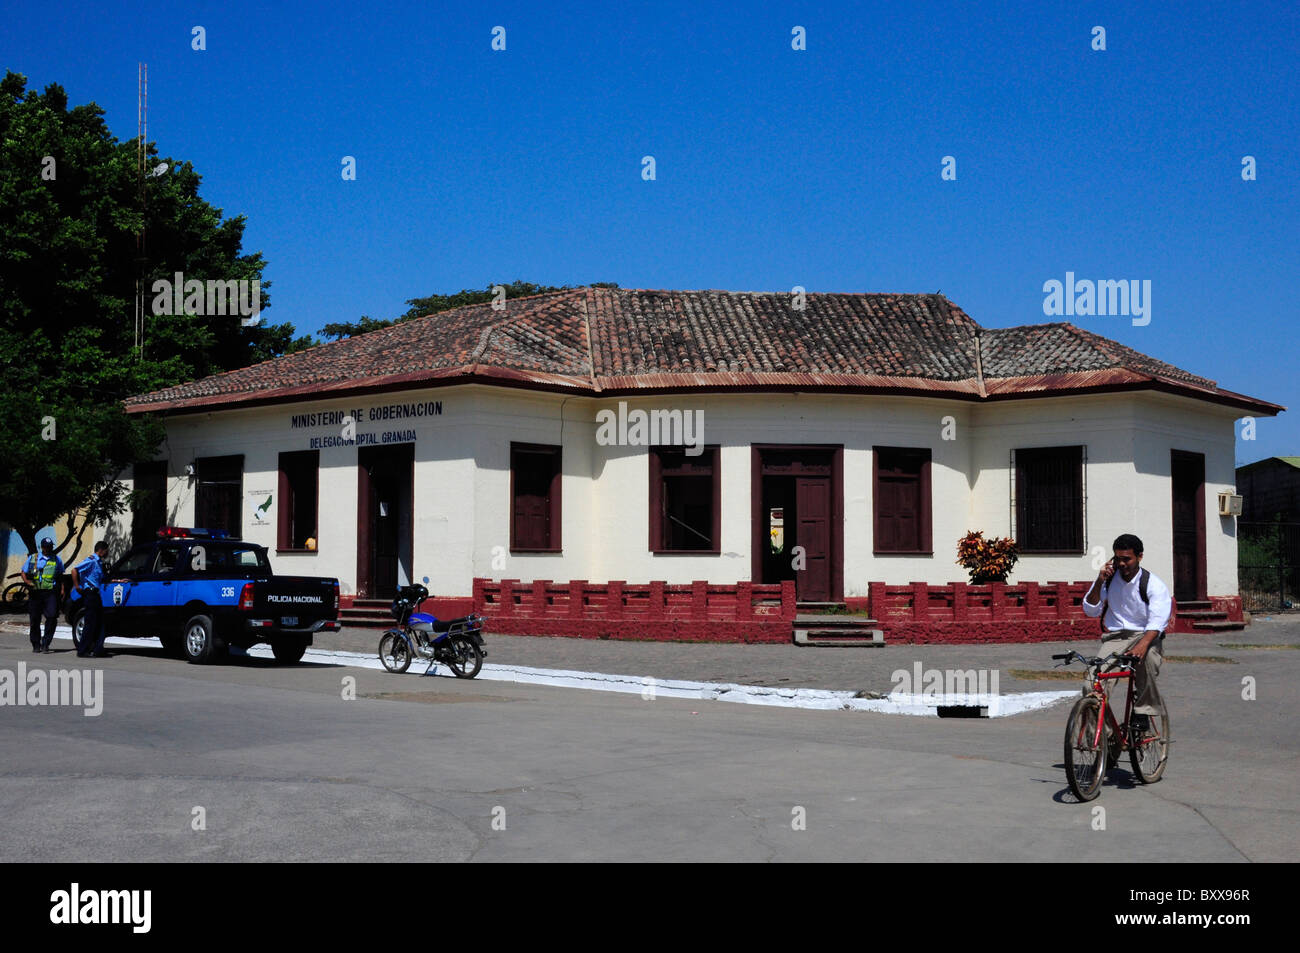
(1048,507)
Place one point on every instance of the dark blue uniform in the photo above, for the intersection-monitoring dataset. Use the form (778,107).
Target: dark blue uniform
(43,597)
(90,573)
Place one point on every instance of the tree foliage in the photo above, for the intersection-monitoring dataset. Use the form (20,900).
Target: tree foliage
(72,208)
(433,304)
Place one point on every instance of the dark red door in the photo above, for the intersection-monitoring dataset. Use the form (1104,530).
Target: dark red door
(385,521)
(1188,473)
(384,518)
(813,533)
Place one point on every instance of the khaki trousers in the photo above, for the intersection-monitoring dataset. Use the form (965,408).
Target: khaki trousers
(1146,696)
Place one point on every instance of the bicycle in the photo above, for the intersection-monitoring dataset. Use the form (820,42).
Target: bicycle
(1093,742)
(16,594)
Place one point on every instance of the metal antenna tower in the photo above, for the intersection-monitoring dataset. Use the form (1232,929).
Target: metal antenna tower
(142,128)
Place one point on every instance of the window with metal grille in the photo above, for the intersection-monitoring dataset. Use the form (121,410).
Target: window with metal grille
(149,500)
(218,486)
(1048,499)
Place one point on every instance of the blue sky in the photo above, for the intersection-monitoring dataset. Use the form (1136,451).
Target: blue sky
(774,167)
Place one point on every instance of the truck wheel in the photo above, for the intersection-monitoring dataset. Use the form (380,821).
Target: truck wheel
(198,641)
(288,651)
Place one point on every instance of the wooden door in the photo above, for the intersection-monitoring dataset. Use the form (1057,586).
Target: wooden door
(1188,490)
(385,514)
(384,518)
(813,533)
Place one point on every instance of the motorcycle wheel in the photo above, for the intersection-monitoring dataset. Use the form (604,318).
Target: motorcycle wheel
(465,659)
(394,653)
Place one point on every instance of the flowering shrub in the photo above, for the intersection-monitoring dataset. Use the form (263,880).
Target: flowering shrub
(987,560)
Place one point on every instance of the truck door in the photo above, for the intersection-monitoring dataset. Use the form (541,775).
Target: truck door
(119,588)
(153,594)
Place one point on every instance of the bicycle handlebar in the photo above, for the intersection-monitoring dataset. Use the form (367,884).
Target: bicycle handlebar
(1119,657)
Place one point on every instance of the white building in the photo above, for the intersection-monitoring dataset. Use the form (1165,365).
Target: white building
(872,431)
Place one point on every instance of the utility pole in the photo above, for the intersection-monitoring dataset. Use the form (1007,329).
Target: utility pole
(141,148)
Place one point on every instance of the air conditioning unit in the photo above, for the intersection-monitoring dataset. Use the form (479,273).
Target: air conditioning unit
(1229,504)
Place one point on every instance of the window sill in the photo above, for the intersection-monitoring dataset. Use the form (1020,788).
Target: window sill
(289,552)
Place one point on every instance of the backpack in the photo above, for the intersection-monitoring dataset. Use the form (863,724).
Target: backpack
(1144,576)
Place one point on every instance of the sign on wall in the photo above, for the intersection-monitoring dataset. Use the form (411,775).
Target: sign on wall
(353,427)
(260,503)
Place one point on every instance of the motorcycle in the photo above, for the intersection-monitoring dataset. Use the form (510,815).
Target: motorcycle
(458,642)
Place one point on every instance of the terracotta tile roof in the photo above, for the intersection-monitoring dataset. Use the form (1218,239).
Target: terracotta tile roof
(1062,348)
(599,340)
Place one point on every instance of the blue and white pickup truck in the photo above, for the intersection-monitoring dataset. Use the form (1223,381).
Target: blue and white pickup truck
(200,592)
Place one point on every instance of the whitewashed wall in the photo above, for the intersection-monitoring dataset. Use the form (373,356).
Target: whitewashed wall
(1128,438)
(462,479)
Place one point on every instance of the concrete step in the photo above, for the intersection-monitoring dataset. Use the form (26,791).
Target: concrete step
(1204,615)
(1224,626)
(835,620)
(841,630)
(366,617)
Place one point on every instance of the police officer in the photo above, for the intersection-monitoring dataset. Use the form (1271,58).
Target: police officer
(41,573)
(88,578)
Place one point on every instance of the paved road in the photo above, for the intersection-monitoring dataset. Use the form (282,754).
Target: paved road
(420,768)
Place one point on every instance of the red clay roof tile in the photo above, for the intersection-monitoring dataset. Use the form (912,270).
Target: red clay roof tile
(603,340)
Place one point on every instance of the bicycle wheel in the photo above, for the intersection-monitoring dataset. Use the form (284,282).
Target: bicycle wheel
(1150,753)
(1085,749)
(394,653)
(15,595)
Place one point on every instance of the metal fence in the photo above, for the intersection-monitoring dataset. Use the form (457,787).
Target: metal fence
(1268,565)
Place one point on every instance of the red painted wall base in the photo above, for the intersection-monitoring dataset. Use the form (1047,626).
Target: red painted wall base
(974,633)
(708,612)
(674,630)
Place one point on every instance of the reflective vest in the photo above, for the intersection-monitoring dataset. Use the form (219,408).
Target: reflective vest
(44,577)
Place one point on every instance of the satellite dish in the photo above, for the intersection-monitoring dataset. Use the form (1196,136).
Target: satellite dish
(158,170)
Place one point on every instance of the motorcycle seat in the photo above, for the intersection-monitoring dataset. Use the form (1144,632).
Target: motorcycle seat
(441,626)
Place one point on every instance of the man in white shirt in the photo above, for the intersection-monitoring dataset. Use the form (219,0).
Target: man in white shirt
(1137,605)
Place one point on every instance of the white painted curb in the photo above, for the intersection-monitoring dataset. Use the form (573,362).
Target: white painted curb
(999,706)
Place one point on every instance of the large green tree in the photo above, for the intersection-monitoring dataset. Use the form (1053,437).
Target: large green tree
(80,227)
